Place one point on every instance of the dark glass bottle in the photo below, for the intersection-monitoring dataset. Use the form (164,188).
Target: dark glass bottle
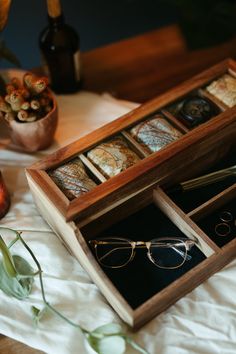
(59,45)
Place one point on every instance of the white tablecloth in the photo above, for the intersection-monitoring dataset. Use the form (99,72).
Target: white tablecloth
(203,322)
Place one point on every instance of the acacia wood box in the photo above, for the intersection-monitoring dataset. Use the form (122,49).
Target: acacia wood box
(136,201)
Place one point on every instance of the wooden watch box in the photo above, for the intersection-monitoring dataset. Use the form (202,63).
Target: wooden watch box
(138,202)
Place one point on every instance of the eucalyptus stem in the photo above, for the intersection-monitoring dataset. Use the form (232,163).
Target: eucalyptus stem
(13,242)
(42,287)
(49,306)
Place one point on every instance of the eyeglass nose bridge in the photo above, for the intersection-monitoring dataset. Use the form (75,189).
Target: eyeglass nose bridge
(143,244)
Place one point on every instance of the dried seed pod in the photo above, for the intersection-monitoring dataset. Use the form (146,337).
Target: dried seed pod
(27,101)
(34,104)
(4,106)
(25,105)
(22,115)
(40,85)
(28,79)
(35,84)
(16,100)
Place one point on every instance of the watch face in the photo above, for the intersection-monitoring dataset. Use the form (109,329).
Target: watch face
(196,110)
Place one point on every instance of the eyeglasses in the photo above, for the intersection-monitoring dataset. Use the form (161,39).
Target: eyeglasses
(165,252)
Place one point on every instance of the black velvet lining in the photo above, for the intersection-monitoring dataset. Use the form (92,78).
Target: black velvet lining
(208,224)
(141,279)
(190,200)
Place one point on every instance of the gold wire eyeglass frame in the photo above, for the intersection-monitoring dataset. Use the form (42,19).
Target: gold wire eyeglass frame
(164,242)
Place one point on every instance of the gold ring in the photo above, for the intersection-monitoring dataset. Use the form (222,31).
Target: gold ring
(222,229)
(226,216)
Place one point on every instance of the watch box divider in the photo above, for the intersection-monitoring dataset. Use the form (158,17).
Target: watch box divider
(92,168)
(180,126)
(144,197)
(136,146)
(214,203)
(133,117)
(213,99)
(188,282)
(183,222)
(155,168)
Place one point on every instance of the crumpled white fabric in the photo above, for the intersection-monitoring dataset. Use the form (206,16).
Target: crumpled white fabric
(203,322)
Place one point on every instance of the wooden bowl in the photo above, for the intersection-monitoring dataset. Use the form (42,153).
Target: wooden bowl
(35,136)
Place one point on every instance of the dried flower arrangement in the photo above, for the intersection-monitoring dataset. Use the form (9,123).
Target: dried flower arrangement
(26,101)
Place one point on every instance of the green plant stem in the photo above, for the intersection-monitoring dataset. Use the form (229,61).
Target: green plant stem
(13,242)
(48,305)
(42,287)
(7,259)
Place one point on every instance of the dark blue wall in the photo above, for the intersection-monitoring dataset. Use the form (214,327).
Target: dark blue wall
(98,22)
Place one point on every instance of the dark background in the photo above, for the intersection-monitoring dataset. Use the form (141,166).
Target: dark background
(97,21)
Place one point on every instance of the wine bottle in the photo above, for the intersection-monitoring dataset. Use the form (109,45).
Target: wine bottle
(59,44)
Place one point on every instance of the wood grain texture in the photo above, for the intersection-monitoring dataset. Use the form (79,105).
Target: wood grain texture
(138,69)
(175,121)
(132,117)
(76,244)
(183,222)
(119,186)
(154,169)
(214,203)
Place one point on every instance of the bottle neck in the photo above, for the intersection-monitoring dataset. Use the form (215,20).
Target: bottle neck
(54,8)
(56,21)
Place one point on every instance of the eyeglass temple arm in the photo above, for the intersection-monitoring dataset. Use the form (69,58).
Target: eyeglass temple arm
(182,254)
(111,251)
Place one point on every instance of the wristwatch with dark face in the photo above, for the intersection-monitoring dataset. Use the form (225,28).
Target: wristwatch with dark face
(196,110)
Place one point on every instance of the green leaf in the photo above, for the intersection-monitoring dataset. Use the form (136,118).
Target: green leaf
(107,345)
(8,262)
(108,329)
(7,54)
(19,286)
(23,268)
(38,314)
(135,345)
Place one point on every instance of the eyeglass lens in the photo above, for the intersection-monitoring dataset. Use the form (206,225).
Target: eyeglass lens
(114,252)
(168,253)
